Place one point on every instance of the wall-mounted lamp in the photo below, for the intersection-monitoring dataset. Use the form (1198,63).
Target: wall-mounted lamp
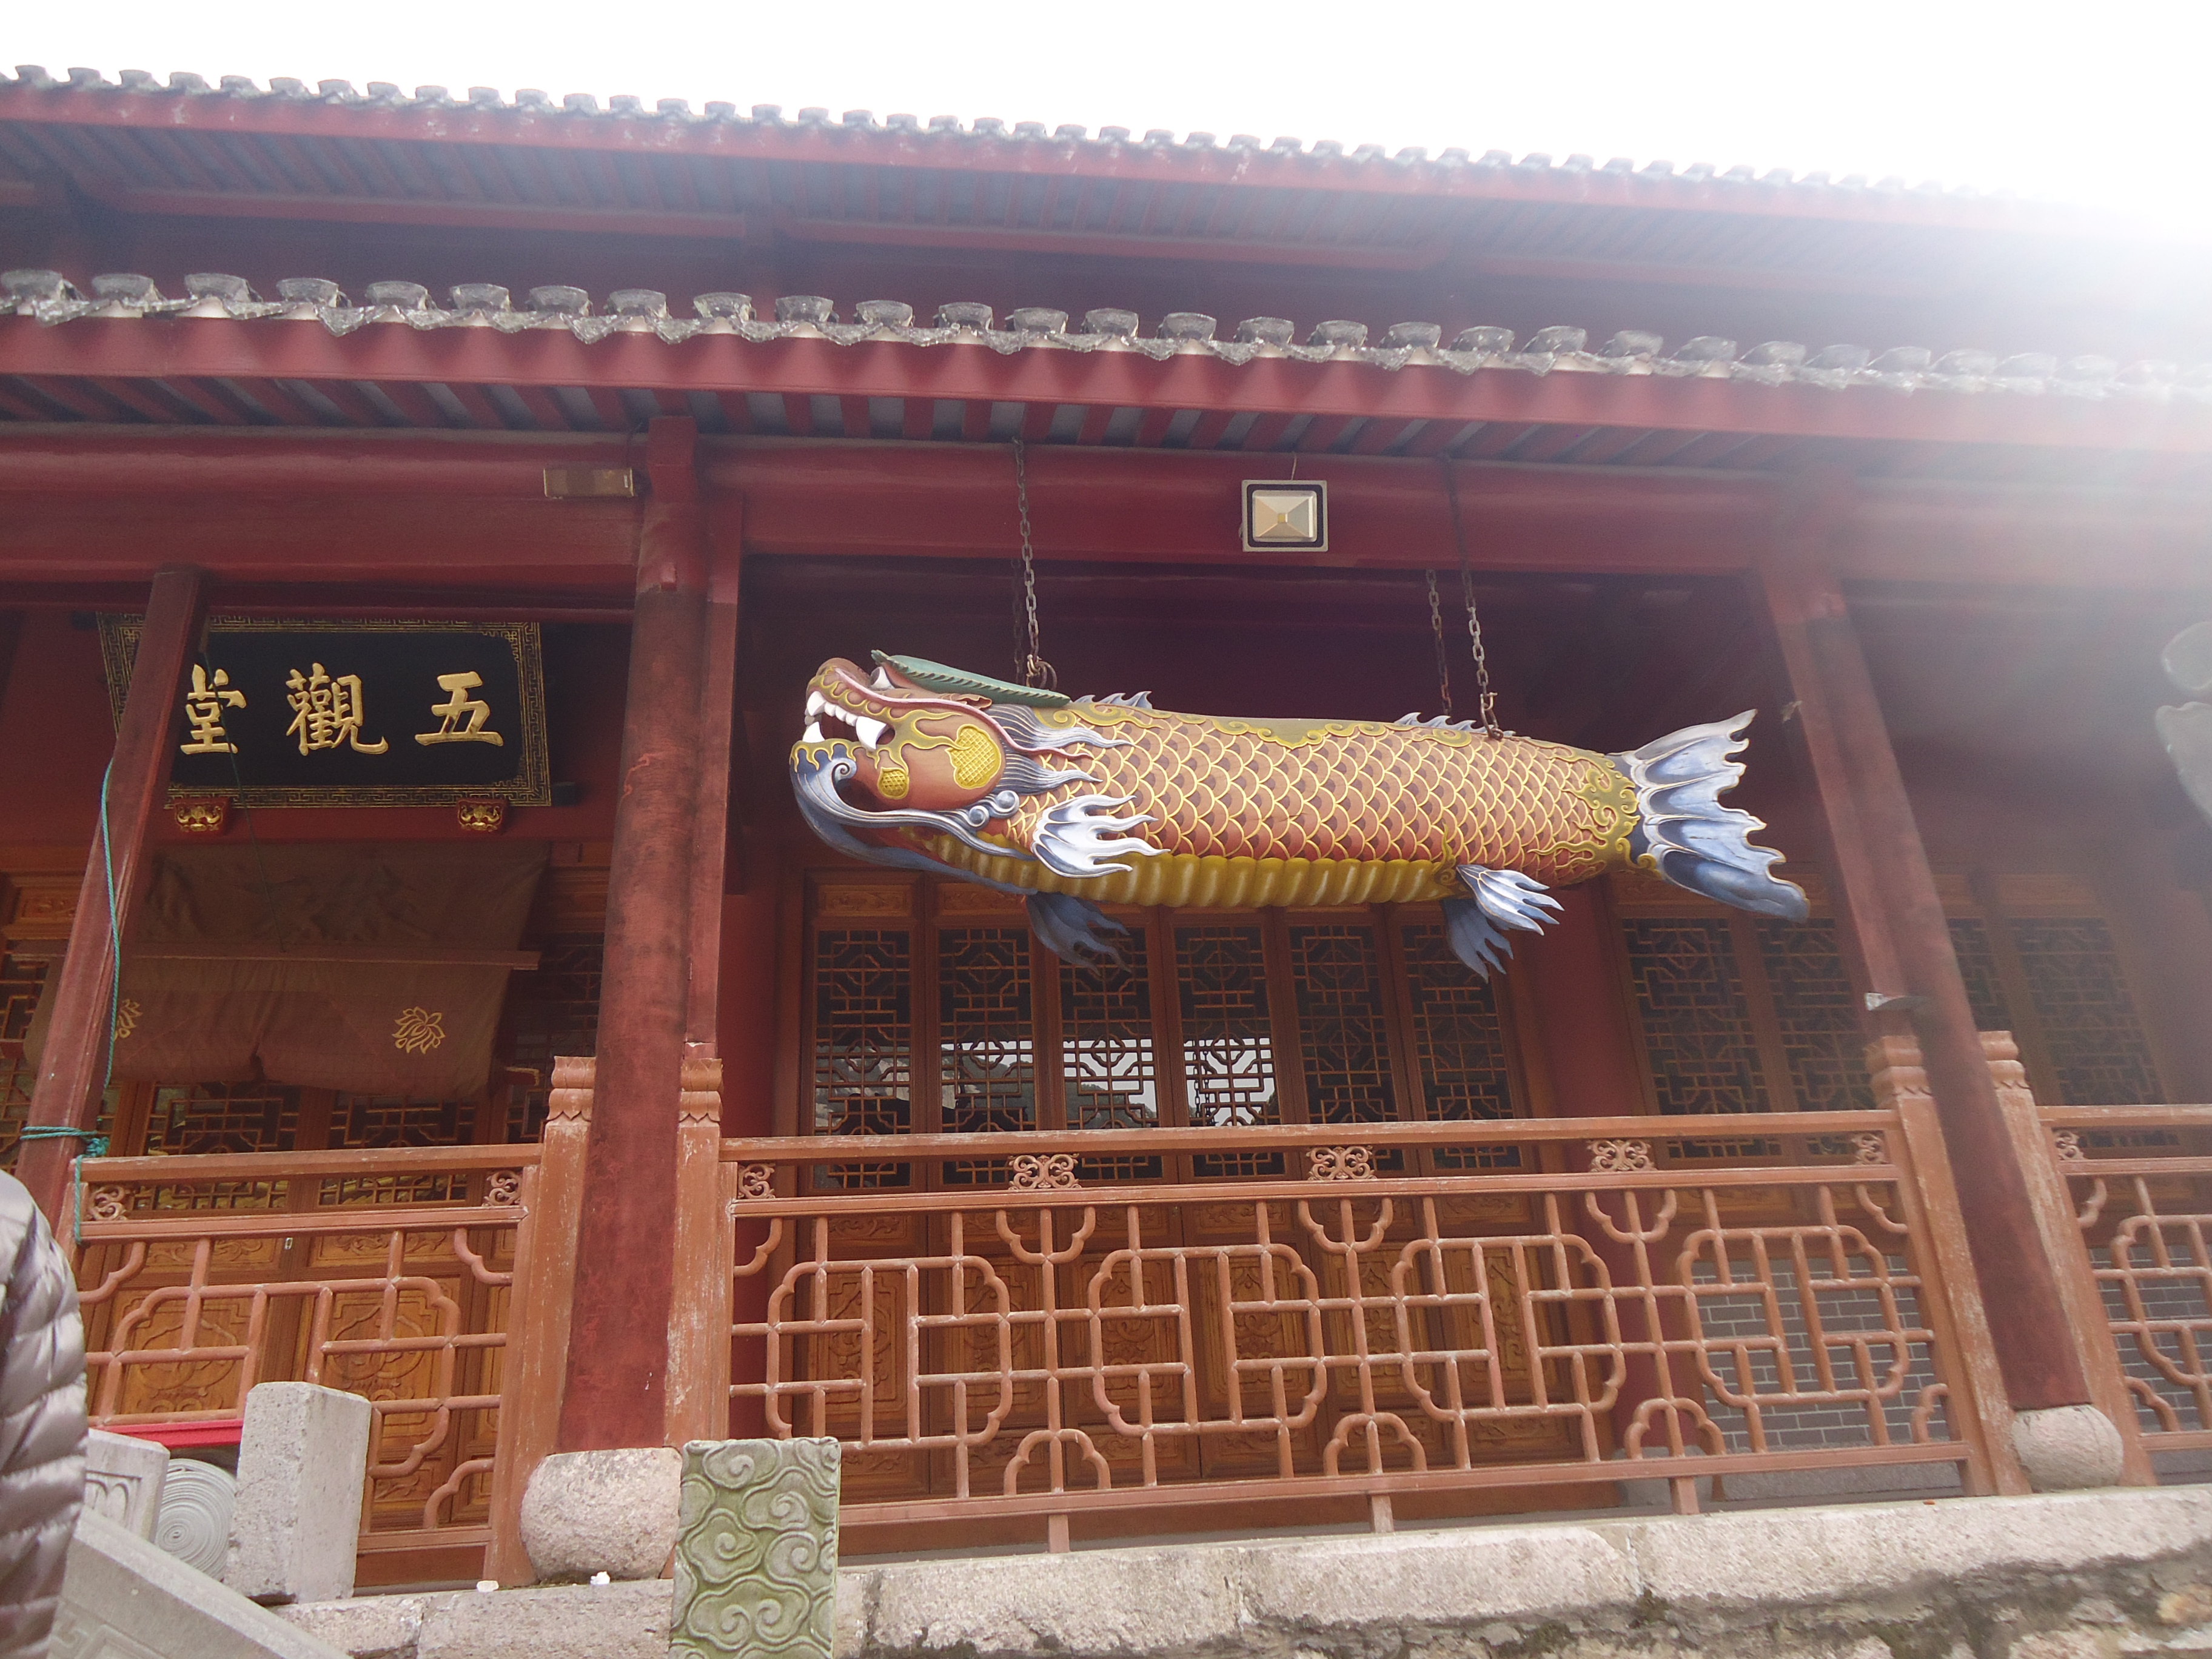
(1285,515)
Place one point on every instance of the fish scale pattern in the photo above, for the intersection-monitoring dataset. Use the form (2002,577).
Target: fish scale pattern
(1353,790)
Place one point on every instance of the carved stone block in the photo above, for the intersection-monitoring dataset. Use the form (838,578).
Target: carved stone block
(123,1477)
(302,1459)
(757,1551)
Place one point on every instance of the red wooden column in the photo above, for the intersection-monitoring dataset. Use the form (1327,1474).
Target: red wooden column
(699,1318)
(710,852)
(618,1370)
(1903,942)
(73,1066)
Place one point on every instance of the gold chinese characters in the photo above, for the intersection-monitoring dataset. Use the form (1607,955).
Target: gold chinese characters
(203,706)
(457,708)
(331,712)
(327,713)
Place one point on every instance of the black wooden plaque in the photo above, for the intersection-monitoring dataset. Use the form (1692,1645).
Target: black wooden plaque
(279,712)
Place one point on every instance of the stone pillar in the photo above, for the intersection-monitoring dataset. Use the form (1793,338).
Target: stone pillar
(295,1524)
(73,1066)
(1901,944)
(123,1477)
(617,1385)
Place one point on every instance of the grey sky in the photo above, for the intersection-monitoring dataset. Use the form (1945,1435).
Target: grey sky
(2104,104)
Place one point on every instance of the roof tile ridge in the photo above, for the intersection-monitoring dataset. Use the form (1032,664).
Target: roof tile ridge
(52,299)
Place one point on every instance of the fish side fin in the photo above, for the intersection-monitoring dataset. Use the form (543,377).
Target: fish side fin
(1504,901)
(1074,929)
(1081,836)
(1697,843)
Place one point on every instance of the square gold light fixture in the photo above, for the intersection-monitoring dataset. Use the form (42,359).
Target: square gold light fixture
(1285,515)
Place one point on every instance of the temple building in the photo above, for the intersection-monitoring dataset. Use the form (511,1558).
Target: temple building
(434,963)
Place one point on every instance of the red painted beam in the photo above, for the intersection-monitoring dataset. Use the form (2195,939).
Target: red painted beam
(1424,255)
(467,510)
(203,348)
(877,147)
(340,209)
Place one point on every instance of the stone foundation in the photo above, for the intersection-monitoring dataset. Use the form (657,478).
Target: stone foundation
(2101,1574)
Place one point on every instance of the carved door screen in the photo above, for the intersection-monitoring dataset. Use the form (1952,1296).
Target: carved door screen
(930,1008)
(1741,1013)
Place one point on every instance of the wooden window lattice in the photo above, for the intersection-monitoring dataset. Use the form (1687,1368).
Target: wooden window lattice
(552,1012)
(1110,1066)
(1816,1014)
(2096,1042)
(1697,1034)
(863,989)
(934,1026)
(1459,1046)
(986,1055)
(1747,1014)
(22,979)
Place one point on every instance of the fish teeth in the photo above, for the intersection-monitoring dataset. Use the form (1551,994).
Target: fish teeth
(814,732)
(816,703)
(871,731)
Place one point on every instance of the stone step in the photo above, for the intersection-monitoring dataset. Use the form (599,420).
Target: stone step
(124,1597)
(2096,1575)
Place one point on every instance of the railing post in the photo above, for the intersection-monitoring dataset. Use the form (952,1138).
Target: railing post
(538,1319)
(2070,1254)
(699,1312)
(1900,1086)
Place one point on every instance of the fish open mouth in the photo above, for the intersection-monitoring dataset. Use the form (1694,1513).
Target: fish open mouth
(827,721)
(839,710)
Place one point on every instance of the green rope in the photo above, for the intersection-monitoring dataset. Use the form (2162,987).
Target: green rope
(96,1144)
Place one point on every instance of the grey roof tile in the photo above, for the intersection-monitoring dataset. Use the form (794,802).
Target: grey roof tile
(52,298)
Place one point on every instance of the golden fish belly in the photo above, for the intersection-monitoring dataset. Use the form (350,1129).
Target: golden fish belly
(1188,881)
(1373,812)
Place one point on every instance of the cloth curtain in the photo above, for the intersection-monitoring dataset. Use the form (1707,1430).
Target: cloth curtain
(416,1027)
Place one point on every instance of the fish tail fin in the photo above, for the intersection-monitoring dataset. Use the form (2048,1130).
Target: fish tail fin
(1697,843)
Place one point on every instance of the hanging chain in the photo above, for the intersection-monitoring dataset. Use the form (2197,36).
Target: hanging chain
(1036,670)
(1436,633)
(1487,699)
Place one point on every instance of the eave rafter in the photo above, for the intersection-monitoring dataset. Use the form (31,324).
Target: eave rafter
(219,350)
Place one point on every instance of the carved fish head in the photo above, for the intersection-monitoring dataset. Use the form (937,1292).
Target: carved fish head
(918,750)
(911,748)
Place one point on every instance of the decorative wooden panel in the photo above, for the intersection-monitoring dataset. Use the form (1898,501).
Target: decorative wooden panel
(1816,1013)
(987,1050)
(553,1011)
(862,991)
(21,979)
(1459,1046)
(1978,966)
(1340,1023)
(1229,1050)
(194,1119)
(2096,1042)
(1690,1004)
(1227,1038)
(1110,1066)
